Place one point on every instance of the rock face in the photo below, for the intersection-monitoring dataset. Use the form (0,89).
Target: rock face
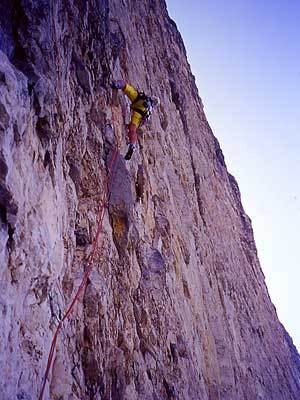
(176,306)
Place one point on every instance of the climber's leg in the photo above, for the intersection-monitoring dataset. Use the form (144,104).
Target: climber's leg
(135,121)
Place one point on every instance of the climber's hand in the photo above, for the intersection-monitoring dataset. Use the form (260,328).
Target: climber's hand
(119,84)
(114,85)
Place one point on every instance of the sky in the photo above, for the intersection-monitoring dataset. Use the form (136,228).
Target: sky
(245,56)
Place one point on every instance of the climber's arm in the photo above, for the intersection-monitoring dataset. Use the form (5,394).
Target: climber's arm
(130,92)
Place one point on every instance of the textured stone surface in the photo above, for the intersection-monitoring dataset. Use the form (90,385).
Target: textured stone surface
(176,306)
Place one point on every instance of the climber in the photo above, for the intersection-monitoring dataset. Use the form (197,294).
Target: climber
(141,109)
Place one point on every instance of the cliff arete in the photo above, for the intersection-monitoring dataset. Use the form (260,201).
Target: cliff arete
(175,306)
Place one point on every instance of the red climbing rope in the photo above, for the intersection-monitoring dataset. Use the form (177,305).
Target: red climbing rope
(88,268)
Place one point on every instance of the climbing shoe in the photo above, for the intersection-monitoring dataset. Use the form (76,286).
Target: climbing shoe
(130,151)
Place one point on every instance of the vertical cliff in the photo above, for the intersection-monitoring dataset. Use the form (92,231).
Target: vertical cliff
(176,305)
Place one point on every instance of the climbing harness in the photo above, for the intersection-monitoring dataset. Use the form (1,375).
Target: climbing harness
(89,263)
(146,102)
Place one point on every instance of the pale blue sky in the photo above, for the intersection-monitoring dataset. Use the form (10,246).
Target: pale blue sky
(245,56)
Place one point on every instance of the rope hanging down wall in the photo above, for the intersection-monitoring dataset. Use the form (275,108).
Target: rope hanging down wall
(89,264)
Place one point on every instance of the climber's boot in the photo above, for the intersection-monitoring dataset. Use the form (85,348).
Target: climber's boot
(130,151)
